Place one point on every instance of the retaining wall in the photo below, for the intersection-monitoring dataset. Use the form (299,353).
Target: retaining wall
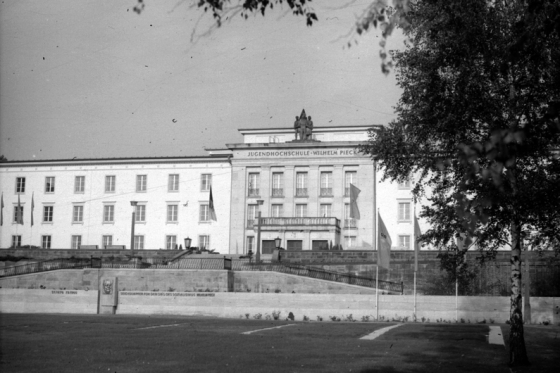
(183,280)
(235,305)
(48,301)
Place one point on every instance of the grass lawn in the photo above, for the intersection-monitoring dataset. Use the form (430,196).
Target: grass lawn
(79,343)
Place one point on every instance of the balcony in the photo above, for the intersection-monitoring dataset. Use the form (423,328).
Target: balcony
(301,192)
(277,192)
(253,192)
(311,223)
(350,223)
(326,192)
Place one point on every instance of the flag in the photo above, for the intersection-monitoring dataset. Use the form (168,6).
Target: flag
(32,207)
(417,233)
(354,192)
(19,213)
(384,249)
(211,207)
(2,210)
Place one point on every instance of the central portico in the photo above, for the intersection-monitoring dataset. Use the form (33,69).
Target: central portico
(300,187)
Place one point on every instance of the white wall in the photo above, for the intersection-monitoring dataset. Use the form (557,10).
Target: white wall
(156,198)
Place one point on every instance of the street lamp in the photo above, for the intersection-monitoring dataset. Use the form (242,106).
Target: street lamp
(133,204)
(277,242)
(187,243)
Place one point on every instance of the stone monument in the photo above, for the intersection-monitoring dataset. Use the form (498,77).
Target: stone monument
(108,296)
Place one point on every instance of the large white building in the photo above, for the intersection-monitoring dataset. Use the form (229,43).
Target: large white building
(300,188)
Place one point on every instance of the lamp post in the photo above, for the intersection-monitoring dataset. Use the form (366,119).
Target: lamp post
(277,242)
(133,204)
(258,256)
(187,243)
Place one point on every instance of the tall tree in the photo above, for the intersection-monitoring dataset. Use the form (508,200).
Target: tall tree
(478,123)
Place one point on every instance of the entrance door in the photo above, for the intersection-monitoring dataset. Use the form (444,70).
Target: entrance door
(320,245)
(268,246)
(295,245)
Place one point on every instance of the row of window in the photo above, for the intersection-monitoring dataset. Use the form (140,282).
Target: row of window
(325,189)
(325,210)
(171,242)
(109,213)
(111,181)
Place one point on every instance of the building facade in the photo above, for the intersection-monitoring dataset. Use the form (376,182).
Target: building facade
(301,188)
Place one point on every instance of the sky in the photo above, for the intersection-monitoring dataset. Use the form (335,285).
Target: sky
(94,79)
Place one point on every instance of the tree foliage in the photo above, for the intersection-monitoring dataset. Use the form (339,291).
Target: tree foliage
(478,125)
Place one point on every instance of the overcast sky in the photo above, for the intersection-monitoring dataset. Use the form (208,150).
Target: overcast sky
(93,79)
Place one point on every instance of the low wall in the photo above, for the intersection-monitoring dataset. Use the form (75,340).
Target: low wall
(129,279)
(275,282)
(48,301)
(235,305)
(45,254)
(181,280)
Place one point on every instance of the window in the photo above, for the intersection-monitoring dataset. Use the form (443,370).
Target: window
(49,184)
(204,242)
(301,184)
(325,210)
(204,214)
(138,242)
(110,184)
(350,177)
(350,241)
(46,242)
(107,240)
(251,215)
(277,184)
(16,241)
(76,242)
(405,184)
(141,183)
(140,214)
(301,211)
(79,184)
(172,213)
(326,184)
(173,183)
(205,182)
(78,214)
(170,242)
(277,211)
(20,185)
(404,211)
(48,214)
(109,214)
(18,214)
(250,244)
(254,184)
(404,242)
(348,221)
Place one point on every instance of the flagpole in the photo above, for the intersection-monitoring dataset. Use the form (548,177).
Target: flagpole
(377,267)
(415,260)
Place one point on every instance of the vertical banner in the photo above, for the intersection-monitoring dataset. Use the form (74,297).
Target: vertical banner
(417,233)
(19,213)
(354,211)
(211,206)
(384,250)
(32,206)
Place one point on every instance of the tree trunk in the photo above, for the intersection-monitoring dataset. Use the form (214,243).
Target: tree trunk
(517,350)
